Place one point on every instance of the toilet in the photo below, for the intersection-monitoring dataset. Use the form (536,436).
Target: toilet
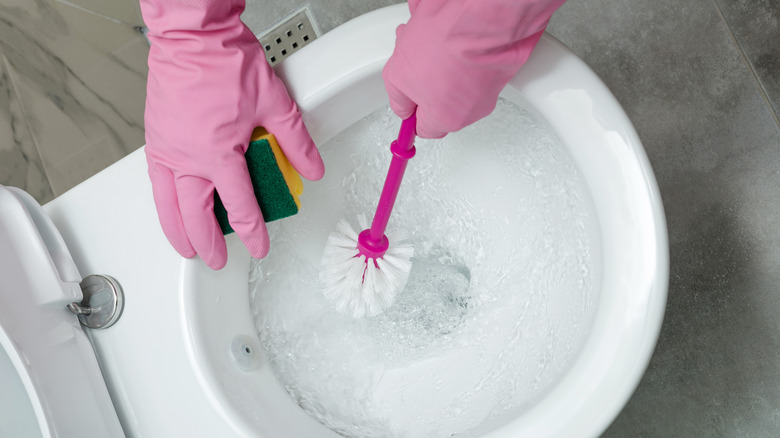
(175,352)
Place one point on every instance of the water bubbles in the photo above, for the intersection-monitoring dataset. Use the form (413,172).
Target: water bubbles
(499,300)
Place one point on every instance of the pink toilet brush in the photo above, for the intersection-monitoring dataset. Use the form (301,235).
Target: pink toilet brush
(362,273)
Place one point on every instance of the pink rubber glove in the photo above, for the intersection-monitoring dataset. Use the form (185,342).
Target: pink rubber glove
(209,86)
(454,57)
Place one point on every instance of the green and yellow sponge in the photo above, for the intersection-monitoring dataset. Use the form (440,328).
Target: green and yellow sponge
(277,185)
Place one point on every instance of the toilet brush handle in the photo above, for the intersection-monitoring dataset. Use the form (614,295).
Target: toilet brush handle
(403,150)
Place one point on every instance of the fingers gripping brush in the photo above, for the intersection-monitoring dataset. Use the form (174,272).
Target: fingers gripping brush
(362,273)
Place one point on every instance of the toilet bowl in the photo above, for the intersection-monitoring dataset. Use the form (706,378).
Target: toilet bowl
(184,358)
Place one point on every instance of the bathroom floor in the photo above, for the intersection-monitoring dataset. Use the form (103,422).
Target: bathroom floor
(699,79)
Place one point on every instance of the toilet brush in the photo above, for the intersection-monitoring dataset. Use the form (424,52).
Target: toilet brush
(362,273)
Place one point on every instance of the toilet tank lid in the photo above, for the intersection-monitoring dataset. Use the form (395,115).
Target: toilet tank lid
(50,353)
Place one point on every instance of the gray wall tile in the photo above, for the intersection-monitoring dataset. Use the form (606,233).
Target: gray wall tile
(715,150)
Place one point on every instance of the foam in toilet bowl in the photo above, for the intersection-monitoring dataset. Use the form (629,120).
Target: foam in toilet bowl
(500,298)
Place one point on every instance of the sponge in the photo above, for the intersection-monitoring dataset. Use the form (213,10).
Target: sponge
(276,184)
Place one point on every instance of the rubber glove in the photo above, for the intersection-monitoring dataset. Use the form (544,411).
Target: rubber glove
(209,86)
(453,58)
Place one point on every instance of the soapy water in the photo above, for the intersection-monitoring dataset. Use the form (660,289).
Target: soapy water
(499,300)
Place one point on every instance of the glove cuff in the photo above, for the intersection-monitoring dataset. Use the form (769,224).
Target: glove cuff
(168,18)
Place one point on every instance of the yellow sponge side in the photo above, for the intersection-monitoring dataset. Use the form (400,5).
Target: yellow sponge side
(291,177)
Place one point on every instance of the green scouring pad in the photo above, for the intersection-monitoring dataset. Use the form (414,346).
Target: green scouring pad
(276,184)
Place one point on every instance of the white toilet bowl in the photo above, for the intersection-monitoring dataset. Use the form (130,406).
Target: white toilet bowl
(184,358)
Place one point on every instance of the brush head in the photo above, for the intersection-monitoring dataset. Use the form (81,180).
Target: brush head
(361,285)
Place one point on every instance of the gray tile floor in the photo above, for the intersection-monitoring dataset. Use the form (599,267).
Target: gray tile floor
(700,79)
(696,79)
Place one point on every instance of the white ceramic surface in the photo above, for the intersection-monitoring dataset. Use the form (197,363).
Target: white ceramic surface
(50,382)
(173,362)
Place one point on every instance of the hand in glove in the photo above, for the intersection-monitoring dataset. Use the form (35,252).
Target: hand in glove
(453,58)
(209,86)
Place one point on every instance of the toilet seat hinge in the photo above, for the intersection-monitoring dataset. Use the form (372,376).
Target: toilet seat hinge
(78,309)
(102,303)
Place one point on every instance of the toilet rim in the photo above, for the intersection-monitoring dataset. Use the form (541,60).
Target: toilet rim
(182,320)
(583,112)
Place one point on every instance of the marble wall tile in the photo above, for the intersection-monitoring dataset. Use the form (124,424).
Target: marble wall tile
(20,164)
(125,11)
(756,27)
(81,80)
(715,149)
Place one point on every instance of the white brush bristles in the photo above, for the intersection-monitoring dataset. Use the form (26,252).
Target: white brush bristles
(355,284)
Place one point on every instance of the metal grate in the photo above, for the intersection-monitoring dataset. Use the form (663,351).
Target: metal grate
(288,36)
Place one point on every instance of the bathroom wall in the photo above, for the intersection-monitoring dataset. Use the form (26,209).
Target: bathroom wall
(700,80)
